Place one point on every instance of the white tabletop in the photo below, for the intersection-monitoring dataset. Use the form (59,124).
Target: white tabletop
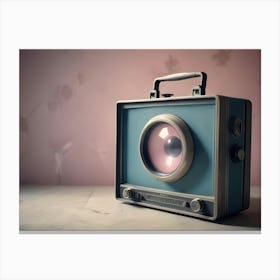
(95,209)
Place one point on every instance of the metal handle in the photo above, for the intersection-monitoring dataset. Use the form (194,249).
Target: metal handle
(200,90)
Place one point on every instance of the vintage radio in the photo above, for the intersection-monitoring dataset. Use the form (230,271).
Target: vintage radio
(188,155)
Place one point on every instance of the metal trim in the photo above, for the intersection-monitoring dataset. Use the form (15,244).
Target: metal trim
(216,158)
(159,100)
(187,146)
(183,195)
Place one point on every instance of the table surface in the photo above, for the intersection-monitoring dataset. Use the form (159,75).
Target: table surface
(92,209)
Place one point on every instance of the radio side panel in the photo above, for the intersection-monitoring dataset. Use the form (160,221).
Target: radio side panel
(235,155)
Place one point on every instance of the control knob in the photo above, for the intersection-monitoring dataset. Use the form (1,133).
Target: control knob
(196,205)
(126,193)
(237,154)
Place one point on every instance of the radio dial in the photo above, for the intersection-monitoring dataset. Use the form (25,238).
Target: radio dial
(127,193)
(237,154)
(236,126)
(196,205)
(240,154)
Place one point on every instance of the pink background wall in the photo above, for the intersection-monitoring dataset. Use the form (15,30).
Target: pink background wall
(67,104)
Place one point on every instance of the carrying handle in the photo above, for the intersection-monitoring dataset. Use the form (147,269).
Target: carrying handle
(199,90)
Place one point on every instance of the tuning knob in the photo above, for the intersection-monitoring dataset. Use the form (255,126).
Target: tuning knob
(126,193)
(237,154)
(196,205)
(236,126)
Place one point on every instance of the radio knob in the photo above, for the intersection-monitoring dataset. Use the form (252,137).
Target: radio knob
(236,126)
(126,193)
(237,154)
(196,205)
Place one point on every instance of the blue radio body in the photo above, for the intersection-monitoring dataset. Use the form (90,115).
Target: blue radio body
(214,135)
